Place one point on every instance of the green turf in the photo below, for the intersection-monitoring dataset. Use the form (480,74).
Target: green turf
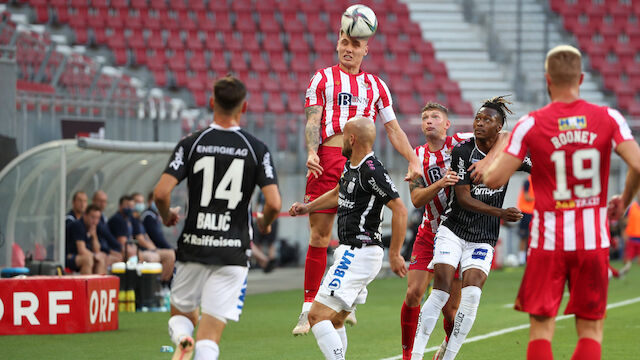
(264,330)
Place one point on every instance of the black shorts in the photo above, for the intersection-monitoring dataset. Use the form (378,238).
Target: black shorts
(70,262)
(523,228)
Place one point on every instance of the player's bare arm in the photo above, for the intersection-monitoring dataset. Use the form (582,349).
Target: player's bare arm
(421,194)
(464,198)
(312,135)
(501,170)
(629,151)
(478,169)
(327,200)
(271,209)
(398,232)
(400,142)
(162,198)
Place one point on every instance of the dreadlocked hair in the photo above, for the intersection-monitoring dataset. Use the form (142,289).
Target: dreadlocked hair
(499,104)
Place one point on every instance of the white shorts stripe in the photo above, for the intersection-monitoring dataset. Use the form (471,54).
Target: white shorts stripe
(535,230)
(549,230)
(604,233)
(589,221)
(569,228)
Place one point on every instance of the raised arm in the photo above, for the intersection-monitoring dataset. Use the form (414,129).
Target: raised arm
(312,135)
(327,200)
(478,169)
(398,232)
(400,142)
(421,194)
(464,198)
(501,170)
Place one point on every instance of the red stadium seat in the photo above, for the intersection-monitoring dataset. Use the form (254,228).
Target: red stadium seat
(265,6)
(198,62)
(277,61)
(250,42)
(272,42)
(179,5)
(237,62)
(120,55)
(155,40)
(233,41)
(174,41)
(138,4)
(193,41)
(275,104)
(297,43)
(244,21)
(257,62)
(218,63)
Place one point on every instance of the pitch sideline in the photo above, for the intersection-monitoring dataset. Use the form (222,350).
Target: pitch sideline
(519,327)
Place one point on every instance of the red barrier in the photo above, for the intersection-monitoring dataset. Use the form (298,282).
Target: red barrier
(58,304)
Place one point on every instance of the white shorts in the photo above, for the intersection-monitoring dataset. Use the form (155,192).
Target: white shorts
(452,250)
(345,284)
(219,290)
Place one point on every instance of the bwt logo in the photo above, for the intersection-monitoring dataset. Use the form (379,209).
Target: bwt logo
(341,269)
(479,254)
(435,174)
(344,99)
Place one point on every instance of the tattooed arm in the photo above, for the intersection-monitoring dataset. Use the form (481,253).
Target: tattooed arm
(421,194)
(312,134)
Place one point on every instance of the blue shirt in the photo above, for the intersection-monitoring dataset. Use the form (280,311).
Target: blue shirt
(153,227)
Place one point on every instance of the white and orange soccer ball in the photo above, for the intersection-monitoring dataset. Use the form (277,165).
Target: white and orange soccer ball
(359,21)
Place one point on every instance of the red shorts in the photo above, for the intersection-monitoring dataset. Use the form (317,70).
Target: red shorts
(332,163)
(545,277)
(422,252)
(632,250)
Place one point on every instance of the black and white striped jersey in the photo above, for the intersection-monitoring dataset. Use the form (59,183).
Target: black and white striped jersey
(222,168)
(469,225)
(364,189)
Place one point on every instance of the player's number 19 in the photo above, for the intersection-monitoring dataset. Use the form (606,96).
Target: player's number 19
(580,172)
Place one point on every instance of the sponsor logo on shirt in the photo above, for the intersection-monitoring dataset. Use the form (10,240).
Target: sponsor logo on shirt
(347,99)
(462,169)
(572,123)
(376,188)
(479,254)
(578,203)
(177,159)
(225,150)
(390,182)
(434,173)
(266,164)
(483,190)
(340,270)
(344,203)
(211,241)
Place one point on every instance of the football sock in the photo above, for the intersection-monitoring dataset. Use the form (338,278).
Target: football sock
(328,340)
(539,349)
(179,326)
(206,350)
(408,323)
(522,257)
(306,306)
(314,267)
(448,328)
(587,349)
(466,315)
(428,317)
(343,337)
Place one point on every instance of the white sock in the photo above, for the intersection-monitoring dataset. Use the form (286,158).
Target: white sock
(328,340)
(428,317)
(179,326)
(306,306)
(206,350)
(343,337)
(522,257)
(466,315)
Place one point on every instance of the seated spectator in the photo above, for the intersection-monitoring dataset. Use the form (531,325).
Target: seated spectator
(78,205)
(100,199)
(151,230)
(84,251)
(127,232)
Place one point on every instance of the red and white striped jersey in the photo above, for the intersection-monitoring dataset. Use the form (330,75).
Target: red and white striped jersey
(570,148)
(434,167)
(343,96)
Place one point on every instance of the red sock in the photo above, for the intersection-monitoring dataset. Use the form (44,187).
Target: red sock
(539,349)
(587,349)
(408,323)
(314,267)
(448,328)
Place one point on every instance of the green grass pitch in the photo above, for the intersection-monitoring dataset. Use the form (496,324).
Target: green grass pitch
(264,331)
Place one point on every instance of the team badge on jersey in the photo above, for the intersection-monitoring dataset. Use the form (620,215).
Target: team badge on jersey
(351,186)
(572,123)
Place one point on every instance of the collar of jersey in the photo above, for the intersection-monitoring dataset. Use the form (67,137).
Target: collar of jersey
(218,127)
(342,71)
(362,161)
(475,144)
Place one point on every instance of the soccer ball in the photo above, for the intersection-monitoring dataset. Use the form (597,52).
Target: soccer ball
(359,21)
(511,261)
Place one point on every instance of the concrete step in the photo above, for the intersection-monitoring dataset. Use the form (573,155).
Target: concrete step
(472,74)
(432,6)
(459,45)
(484,85)
(470,56)
(479,66)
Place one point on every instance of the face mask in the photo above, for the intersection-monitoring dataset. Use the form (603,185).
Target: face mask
(127,212)
(139,208)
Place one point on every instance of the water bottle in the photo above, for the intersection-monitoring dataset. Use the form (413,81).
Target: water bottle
(166,349)
(167,301)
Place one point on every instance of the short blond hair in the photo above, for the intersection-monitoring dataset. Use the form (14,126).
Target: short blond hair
(564,65)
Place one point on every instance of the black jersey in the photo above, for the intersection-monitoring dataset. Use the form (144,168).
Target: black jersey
(222,168)
(469,225)
(364,190)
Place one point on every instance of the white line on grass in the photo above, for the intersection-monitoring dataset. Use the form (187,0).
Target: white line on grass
(519,327)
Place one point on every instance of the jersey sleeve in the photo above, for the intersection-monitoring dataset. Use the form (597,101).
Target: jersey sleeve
(460,163)
(315,91)
(420,153)
(519,139)
(118,227)
(266,172)
(137,227)
(621,130)
(154,231)
(105,236)
(384,103)
(377,181)
(526,165)
(75,232)
(460,137)
(177,166)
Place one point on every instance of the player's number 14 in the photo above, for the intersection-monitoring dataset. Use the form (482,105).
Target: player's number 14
(230,186)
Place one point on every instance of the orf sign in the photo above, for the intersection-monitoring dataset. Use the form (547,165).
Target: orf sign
(58,305)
